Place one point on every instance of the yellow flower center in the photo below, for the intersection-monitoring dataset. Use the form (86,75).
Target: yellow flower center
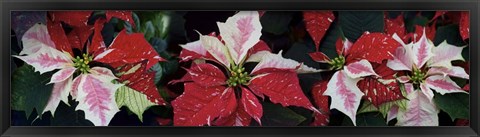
(81,63)
(418,76)
(337,63)
(238,76)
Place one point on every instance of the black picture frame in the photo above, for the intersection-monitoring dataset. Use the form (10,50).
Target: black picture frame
(9,5)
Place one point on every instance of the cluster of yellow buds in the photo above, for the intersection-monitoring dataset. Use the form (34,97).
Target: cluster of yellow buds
(418,76)
(337,63)
(82,63)
(238,76)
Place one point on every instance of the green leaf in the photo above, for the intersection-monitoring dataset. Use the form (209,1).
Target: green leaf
(170,66)
(136,20)
(158,72)
(276,22)
(416,20)
(450,33)
(133,100)
(176,27)
(148,30)
(154,23)
(455,104)
(160,45)
(383,108)
(30,90)
(66,115)
(371,119)
(459,81)
(366,119)
(276,115)
(366,107)
(355,23)
(298,52)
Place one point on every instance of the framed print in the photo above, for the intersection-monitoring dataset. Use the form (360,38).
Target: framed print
(239,68)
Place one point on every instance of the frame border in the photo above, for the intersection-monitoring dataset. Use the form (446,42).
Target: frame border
(9,5)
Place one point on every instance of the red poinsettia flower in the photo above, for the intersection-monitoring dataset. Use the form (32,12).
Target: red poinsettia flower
(48,48)
(353,64)
(212,97)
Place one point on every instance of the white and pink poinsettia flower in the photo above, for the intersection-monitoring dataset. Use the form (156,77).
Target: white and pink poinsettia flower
(430,70)
(240,42)
(342,87)
(93,87)
(209,97)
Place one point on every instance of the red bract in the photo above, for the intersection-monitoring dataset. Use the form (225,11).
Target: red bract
(438,14)
(137,76)
(74,18)
(396,26)
(123,15)
(57,34)
(120,51)
(465,24)
(379,90)
(199,105)
(368,47)
(321,119)
(79,36)
(317,23)
(212,97)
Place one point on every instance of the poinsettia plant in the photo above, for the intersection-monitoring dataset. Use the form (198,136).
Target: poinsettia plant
(213,97)
(430,68)
(240,68)
(379,85)
(48,48)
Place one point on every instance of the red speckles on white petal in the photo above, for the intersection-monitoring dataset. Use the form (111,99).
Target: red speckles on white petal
(216,48)
(345,94)
(420,111)
(240,33)
(359,69)
(47,59)
(453,72)
(422,51)
(60,92)
(445,54)
(62,74)
(35,38)
(442,84)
